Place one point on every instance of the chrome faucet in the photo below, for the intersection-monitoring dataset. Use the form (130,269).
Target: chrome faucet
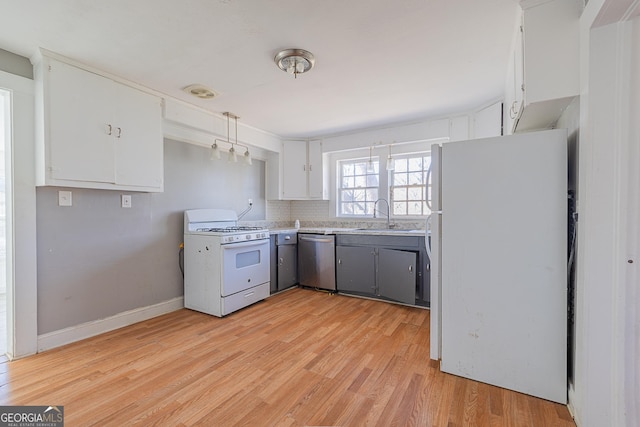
(388,211)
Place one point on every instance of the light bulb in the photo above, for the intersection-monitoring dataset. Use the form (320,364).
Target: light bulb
(233,157)
(247,158)
(300,67)
(390,165)
(215,152)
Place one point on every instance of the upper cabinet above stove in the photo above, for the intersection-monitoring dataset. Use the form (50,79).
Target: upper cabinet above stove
(95,132)
(543,74)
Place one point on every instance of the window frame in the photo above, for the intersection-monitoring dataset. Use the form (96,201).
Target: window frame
(379,153)
(340,189)
(424,188)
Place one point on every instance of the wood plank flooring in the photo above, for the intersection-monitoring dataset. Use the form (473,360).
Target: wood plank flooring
(298,358)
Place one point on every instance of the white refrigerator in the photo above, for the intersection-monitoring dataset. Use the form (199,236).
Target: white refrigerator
(499,260)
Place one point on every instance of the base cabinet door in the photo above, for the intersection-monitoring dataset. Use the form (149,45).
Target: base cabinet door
(397,275)
(287,266)
(355,269)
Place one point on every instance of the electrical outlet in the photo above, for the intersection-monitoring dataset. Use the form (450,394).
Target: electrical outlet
(126,200)
(64,198)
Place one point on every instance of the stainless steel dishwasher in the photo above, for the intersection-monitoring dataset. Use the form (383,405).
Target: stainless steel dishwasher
(317,261)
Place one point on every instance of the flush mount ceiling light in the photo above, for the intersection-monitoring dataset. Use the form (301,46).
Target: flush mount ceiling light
(233,156)
(295,61)
(200,91)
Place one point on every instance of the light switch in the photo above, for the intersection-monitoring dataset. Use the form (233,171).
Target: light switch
(64,198)
(126,200)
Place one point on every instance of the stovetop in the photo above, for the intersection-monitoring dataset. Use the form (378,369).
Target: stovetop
(232,229)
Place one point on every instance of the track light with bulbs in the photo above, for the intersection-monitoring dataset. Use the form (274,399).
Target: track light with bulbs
(233,155)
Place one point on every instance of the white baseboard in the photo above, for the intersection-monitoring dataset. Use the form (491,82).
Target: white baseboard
(86,330)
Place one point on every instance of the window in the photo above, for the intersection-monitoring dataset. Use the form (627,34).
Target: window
(358,186)
(408,185)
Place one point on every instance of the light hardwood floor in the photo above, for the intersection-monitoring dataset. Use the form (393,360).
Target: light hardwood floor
(299,358)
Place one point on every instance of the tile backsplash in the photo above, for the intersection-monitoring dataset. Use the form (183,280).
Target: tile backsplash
(315,213)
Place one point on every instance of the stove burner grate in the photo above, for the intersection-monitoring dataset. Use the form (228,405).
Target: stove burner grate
(230,229)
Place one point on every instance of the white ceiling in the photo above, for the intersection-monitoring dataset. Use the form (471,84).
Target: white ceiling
(377,61)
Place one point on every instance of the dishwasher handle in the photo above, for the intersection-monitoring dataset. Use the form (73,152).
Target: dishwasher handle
(317,239)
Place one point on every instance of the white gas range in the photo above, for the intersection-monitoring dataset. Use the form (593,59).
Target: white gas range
(226,267)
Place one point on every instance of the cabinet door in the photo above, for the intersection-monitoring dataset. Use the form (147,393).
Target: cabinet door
(287,266)
(397,275)
(355,269)
(315,170)
(79,107)
(138,138)
(294,173)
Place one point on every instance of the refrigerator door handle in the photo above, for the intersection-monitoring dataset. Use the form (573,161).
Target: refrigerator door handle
(428,198)
(426,235)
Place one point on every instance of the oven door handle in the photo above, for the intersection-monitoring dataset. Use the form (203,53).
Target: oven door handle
(245,244)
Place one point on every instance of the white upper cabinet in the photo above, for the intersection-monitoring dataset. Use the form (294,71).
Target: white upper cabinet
(95,132)
(543,76)
(294,169)
(297,173)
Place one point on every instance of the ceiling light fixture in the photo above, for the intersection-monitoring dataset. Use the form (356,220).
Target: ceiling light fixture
(295,61)
(233,156)
(390,164)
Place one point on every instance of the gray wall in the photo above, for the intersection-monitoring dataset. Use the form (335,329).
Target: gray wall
(96,259)
(15,64)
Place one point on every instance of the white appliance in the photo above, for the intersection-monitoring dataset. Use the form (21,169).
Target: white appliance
(498,261)
(226,267)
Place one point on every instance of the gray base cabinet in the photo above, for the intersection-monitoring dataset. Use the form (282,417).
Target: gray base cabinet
(287,266)
(284,261)
(355,269)
(397,275)
(387,267)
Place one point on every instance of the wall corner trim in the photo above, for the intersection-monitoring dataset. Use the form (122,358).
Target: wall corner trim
(90,329)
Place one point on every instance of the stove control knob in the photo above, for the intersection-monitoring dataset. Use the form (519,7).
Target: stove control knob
(248,236)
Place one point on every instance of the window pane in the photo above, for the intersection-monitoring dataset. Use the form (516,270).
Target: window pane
(358,209)
(415,178)
(372,195)
(347,169)
(399,193)
(399,208)
(372,181)
(401,165)
(369,208)
(399,179)
(415,193)
(360,181)
(415,164)
(415,208)
(348,182)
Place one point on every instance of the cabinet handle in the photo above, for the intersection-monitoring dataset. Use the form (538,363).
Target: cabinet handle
(339,261)
(410,268)
(110,129)
(310,168)
(119,132)
(281,261)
